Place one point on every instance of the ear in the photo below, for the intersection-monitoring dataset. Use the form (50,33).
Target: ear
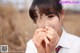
(62,16)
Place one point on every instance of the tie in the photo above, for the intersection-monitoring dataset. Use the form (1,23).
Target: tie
(58,48)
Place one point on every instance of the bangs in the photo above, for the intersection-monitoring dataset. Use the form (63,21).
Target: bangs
(46,9)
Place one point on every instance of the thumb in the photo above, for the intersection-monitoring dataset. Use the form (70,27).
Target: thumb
(47,48)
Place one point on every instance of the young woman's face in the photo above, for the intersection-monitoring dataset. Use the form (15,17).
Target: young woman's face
(51,20)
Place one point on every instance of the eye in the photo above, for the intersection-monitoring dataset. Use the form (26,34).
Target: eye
(51,15)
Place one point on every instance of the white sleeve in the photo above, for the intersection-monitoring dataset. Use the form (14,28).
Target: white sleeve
(79,49)
(31,48)
(78,46)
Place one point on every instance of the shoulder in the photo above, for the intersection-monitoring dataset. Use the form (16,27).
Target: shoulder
(30,43)
(74,42)
(31,48)
(74,39)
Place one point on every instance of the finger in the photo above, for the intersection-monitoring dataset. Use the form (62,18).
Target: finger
(50,37)
(53,39)
(47,49)
(38,38)
(50,32)
(41,37)
(40,29)
(46,40)
(49,28)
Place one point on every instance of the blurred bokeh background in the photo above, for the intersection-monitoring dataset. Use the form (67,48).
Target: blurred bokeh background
(16,27)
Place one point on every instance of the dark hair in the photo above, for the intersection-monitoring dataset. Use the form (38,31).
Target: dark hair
(45,7)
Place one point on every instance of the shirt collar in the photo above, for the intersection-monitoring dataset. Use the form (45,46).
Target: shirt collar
(64,40)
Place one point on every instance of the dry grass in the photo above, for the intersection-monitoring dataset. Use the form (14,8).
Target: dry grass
(9,31)
(72,23)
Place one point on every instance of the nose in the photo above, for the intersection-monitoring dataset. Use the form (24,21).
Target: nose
(44,23)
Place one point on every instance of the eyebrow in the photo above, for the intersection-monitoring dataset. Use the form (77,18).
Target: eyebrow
(52,13)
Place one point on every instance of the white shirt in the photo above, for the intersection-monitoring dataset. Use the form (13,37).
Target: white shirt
(69,43)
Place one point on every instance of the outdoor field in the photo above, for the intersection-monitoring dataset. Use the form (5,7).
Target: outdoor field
(16,27)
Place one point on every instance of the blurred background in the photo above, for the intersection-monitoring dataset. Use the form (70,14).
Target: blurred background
(16,27)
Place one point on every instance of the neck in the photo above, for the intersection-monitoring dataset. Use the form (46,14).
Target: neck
(60,32)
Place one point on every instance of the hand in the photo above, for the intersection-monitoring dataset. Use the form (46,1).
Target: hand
(45,39)
(53,38)
(38,39)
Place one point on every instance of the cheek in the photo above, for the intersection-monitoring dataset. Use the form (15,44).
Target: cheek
(55,23)
(40,24)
